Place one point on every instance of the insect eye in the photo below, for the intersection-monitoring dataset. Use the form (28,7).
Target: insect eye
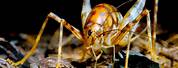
(89,32)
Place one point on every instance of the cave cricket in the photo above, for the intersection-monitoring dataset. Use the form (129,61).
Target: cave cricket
(103,27)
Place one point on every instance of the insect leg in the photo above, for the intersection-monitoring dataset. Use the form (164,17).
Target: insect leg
(75,31)
(116,40)
(86,8)
(94,56)
(114,52)
(71,28)
(60,46)
(138,35)
(154,24)
(127,51)
(132,13)
(121,34)
(150,38)
(34,45)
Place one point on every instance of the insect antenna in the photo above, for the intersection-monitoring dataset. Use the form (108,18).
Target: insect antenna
(124,3)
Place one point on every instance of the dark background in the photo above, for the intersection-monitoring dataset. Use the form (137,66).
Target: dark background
(27,16)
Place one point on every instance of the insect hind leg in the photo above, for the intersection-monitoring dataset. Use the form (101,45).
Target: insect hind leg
(75,31)
(32,50)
